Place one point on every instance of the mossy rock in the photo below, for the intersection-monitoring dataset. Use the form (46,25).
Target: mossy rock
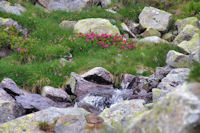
(151,32)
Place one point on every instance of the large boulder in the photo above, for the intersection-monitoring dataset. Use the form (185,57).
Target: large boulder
(151,17)
(55,94)
(6,6)
(121,114)
(186,34)
(81,87)
(192,45)
(11,87)
(33,123)
(178,112)
(152,39)
(98,75)
(175,78)
(178,60)
(181,23)
(7,22)
(98,25)
(71,5)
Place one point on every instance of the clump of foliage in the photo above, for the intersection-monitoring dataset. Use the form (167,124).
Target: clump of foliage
(193,9)
(45,126)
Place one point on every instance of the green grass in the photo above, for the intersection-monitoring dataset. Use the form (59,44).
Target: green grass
(195,73)
(40,66)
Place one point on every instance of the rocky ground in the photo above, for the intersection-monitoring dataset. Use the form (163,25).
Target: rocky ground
(163,102)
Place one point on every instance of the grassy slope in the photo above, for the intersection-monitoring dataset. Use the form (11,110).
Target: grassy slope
(42,65)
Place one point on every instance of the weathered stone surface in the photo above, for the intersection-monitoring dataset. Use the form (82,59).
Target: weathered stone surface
(81,87)
(178,60)
(151,17)
(151,32)
(178,112)
(192,45)
(157,94)
(174,78)
(120,114)
(9,22)
(126,80)
(97,25)
(127,30)
(4,96)
(72,5)
(98,75)
(11,87)
(186,34)
(35,102)
(134,27)
(196,55)
(6,6)
(68,24)
(168,37)
(10,110)
(152,39)
(55,94)
(4,52)
(181,23)
(30,123)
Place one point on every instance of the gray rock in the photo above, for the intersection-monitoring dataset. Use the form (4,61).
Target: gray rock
(196,55)
(134,27)
(174,78)
(178,112)
(10,110)
(151,17)
(178,60)
(112,11)
(192,45)
(9,23)
(120,114)
(126,80)
(30,123)
(4,52)
(35,102)
(4,96)
(186,34)
(158,93)
(168,37)
(151,32)
(127,30)
(81,87)
(152,39)
(181,23)
(55,94)
(68,24)
(98,75)
(11,87)
(6,6)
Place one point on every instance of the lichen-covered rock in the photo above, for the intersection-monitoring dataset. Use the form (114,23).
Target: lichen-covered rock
(68,24)
(11,87)
(30,123)
(55,94)
(178,112)
(9,22)
(178,60)
(151,17)
(121,114)
(157,94)
(153,39)
(98,75)
(168,37)
(6,6)
(186,34)
(97,25)
(192,45)
(181,23)
(176,77)
(151,32)
(10,110)
(196,55)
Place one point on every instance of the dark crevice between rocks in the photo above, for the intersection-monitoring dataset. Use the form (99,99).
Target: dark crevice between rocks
(29,111)
(68,89)
(11,93)
(97,79)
